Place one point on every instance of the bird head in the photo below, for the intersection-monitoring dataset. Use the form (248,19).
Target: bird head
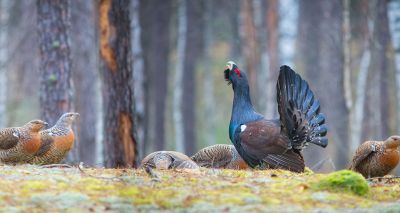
(36,125)
(393,141)
(234,75)
(67,118)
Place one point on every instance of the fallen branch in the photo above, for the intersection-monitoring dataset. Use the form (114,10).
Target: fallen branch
(383,178)
(80,167)
(56,166)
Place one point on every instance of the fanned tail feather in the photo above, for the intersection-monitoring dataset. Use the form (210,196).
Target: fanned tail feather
(299,111)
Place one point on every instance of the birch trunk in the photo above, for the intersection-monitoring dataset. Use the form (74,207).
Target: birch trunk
(288,14)
(357,112)
(4,16)
(208,83)
(177,105)
(394,23)
(250,49)
(138,76)
(347,54)
(263,69)
(86,79)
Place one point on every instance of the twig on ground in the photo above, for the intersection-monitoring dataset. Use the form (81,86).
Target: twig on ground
(80,167)
(383,178)
(56,166)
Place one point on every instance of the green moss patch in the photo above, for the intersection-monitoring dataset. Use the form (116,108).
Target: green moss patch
(344,181)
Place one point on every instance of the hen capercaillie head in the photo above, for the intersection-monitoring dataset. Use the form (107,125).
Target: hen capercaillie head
(235,76)
(67,118)
(393,141)
(36,125)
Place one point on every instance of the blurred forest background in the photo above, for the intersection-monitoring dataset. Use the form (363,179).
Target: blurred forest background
(147,75)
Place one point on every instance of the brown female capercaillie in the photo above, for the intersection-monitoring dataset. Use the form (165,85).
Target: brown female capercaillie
(56,142)
(19,144)
(376,158)
(219,156)
(168,160)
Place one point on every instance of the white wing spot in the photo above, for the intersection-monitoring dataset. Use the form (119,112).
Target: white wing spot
(15,134)
(242,128)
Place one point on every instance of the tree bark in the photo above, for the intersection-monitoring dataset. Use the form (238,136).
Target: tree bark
(120,144)
(55,66)
(155,38)
(85,78)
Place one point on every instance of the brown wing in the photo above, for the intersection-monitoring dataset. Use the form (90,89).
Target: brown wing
(363,151)
(263,137)
(177,155)
(186,164)
(216,156)
(9,138)
(290,160)
(46,143)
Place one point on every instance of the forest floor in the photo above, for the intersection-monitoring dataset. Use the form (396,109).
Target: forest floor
(28,188)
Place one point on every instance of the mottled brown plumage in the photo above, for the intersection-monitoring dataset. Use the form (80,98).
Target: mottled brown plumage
(19,144)
(168,160)
(222,156)
(56,142)
(376,158)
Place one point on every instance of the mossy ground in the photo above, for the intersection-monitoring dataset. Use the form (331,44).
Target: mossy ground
(30,188)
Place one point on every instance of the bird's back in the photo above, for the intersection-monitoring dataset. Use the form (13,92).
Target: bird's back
(373,159)
(55,144)
(18,144)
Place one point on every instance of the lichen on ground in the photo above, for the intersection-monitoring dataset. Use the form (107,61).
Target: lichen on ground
(34,189)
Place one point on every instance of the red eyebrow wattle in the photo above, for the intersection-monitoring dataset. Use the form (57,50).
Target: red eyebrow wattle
(237,71)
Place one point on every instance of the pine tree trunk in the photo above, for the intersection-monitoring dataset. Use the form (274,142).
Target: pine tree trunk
(85,77)
(55,67)
(120,144)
